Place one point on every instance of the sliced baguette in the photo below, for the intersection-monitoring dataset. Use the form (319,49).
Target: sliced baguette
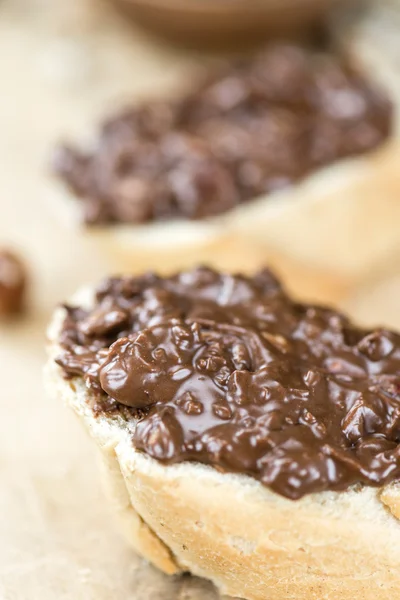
(232,530)
(342,219)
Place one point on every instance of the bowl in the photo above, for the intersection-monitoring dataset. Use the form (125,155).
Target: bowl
(227,22)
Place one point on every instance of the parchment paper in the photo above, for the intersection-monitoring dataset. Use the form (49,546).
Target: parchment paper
(61,64)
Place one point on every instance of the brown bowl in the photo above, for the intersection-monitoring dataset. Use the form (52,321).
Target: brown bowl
(227,22)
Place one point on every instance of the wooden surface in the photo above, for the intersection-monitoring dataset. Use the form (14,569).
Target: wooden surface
(61,64)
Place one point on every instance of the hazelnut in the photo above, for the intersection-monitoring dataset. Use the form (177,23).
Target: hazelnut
(12,283)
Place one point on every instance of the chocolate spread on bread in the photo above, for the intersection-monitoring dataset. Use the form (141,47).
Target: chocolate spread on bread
(229,371)
(253,127)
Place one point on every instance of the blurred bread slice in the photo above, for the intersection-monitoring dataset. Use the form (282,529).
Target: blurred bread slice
(232,530)
(171,246)
(341,220)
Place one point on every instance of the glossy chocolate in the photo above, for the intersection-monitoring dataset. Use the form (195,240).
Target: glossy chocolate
(229,371)
(253,127)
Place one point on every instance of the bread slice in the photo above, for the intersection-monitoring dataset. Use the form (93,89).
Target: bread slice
(338,219)
(231,529)
(342,219)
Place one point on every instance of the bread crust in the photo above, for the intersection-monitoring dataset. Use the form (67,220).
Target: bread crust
(251,543)
(232,530)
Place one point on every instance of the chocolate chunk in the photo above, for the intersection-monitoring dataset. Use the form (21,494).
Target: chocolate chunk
(377,345)
(250,128)
(13,280)
(162,434)
(227,370)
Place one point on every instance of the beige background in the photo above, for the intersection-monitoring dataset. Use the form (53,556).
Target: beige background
(61,65)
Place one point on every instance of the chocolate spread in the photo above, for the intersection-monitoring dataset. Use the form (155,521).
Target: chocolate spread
(253,127)
(229,371)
